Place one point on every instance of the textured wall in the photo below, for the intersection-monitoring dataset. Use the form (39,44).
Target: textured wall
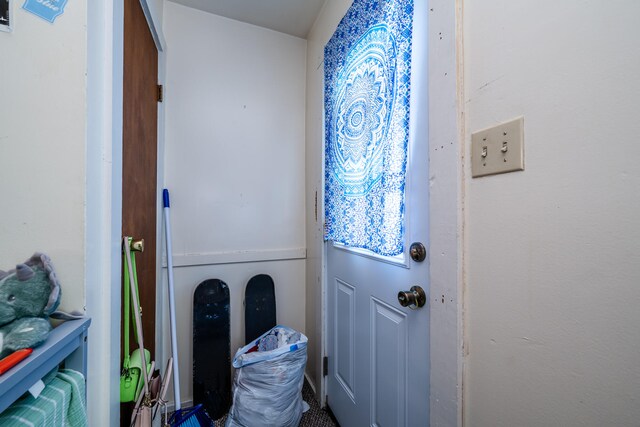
(42,144)
(552,252)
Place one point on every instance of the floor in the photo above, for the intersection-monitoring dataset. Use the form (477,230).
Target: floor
(314,417)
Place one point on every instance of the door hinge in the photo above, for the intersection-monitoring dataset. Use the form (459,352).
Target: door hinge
(325,366)
(160,93)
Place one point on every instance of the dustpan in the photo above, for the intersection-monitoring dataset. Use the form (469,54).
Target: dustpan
(135,364)
(131,381)
(142,412)
(152,388)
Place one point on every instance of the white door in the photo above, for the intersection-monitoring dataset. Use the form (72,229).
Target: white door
(378,350)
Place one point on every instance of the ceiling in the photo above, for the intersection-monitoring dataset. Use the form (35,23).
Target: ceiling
(294,17)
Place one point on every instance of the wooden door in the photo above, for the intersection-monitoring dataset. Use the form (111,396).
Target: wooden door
(139,163)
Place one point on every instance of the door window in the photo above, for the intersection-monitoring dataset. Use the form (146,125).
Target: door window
(367,75)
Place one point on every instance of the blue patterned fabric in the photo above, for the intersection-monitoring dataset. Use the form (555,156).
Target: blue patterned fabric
(367,86)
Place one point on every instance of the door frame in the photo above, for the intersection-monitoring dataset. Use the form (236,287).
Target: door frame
(446,216)
(446,162)
(103,212)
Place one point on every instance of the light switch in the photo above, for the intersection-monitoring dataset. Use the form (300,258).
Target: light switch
(498,149)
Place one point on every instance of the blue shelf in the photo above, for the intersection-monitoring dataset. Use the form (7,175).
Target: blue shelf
(67,342)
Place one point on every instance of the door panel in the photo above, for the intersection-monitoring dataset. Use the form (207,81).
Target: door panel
(389,364)
(139,168)
(378,351)
(139,163)
(345,336)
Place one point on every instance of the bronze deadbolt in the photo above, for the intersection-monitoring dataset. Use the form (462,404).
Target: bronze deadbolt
(418,252)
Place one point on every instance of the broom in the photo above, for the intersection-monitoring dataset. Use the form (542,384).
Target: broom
(195,416)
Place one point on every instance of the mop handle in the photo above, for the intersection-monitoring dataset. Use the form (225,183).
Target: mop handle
(172,306)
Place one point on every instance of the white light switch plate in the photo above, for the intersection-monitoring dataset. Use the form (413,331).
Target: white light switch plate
(498,149)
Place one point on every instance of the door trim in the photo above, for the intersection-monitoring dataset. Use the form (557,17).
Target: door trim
(104,204)
(445,227)
(152,20)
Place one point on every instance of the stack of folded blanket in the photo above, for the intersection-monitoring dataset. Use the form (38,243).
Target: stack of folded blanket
(61,403)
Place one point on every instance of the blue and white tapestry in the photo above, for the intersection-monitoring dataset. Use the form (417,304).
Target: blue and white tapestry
(367,85)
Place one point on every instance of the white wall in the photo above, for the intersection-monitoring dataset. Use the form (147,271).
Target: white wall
(234,163)
(552,255)
(322,30)
(235,134)
(49,201)
(42,144)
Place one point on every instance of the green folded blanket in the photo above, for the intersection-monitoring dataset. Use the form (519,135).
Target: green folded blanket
(61,403)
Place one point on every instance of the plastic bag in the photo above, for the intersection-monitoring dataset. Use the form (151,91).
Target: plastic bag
(267,386)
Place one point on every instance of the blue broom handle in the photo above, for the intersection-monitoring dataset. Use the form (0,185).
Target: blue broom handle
(172,303)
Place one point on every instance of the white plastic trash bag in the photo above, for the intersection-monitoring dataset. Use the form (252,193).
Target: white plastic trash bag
(267,387)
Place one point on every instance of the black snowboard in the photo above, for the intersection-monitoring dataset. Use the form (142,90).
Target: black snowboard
(260,307)
(211,348)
